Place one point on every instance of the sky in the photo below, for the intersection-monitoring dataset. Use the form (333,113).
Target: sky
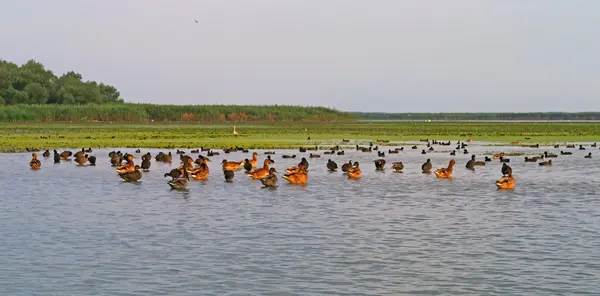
(371,56)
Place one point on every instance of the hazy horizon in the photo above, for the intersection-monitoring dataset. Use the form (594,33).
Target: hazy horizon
(377,56)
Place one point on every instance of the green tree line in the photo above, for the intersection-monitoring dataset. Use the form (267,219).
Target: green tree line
(478,116)
(32,83)
(166,113)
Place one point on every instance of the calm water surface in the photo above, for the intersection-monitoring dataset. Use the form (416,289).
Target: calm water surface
(70,230)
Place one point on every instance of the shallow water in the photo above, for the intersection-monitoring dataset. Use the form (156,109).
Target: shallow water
(69,230)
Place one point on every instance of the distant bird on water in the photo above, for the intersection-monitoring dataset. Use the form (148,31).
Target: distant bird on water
(196,21)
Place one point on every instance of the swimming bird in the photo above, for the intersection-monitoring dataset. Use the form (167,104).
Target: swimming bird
(502,159)
(379,164)
(581,147)
(174,173)
(289,156)
(533,159)
(380,153)
(546,163)
(504,169)
(423,151)
(453,153)
(347,166)
(247,165)
(471,163)
(261,172)
(81,159)
(426,167)
(35,163)
(314,155)
(146,162)
(331,165)
(270,180)
(507,181)
(233,165)
(397,166)
(566,153)
(447,171)
(487,159)
(180,182)
(56,157)
(65,155)
(354,172)
(92,160)
(297,176)
(46,153)
(132,176)
(254,159)
(228,174)
(588,156)
(550,155)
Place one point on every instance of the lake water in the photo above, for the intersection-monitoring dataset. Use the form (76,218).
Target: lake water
(69,230)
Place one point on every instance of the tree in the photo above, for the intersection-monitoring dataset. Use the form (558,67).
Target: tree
(31,83)
(37,93)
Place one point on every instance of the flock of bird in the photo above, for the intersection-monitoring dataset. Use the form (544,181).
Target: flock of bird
(197,169)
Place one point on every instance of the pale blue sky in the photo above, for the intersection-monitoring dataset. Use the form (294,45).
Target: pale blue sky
(377,55)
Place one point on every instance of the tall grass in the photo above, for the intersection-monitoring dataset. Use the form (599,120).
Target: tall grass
(166,113)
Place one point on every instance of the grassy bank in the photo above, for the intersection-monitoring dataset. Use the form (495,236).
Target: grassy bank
(17,137)
(143,113)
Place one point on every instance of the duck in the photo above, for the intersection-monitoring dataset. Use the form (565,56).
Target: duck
(581,147)
(254,159)
(487,159)
(502,159)
(174,173)
(507,181)
(35,163)
(233,165)
(81,159)
(247,165)
(497,156)
(194,151)
(304,163)
(79,153)
(46,153)
(138,151)
(549,155)
(594,145)
(146,162)
(393,151)
(56,157)
(423,151)
(314,155)
(546,163)
(89,150)
(566,153)
(431,149)
(380,154)
(181,182)
(289,156)
(202,171)
(180,152)
(465,151)
(397,166)
(588,156)
(414,147)
(453,153)
(269,152)
(533,159)
(261,172)
(270,180)
(132,176)
(129,166)
(379,164)
(446,172)
(504,169)
(354,172)
(116,159)
(426,167)
(65,155)
(341,152)
(92,160)
(298,176)
(471,163)
(331,165)
(347,166)
(228,174)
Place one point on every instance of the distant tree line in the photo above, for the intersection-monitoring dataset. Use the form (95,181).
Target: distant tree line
(478,116)
(142,113)
(32,83)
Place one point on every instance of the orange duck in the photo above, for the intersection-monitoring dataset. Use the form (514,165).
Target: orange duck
(129,166)
(354,172)
(499,155)
(445,172)
(35,163)
(507,182)
(232,165)
(201,171)
(298,176)
(302,166)
(261,172)
(254,159)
